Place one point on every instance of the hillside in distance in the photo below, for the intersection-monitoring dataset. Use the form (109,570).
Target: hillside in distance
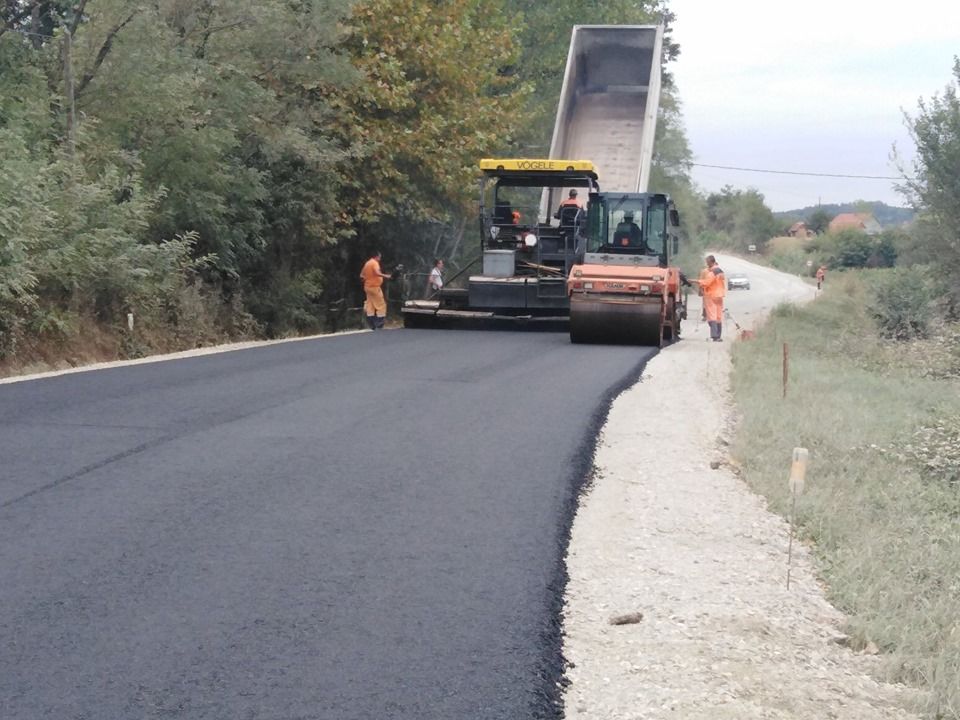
(886,215)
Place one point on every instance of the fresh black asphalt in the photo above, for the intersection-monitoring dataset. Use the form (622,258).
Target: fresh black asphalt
(364,526)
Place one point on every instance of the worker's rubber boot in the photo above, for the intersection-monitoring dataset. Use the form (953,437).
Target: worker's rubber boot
(372,321)
(379,322)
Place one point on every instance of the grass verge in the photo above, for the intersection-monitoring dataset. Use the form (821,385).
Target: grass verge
(882,504)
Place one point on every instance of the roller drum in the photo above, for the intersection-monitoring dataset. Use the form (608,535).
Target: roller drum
(620,323)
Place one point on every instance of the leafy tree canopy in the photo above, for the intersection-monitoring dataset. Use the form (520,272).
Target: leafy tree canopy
(743,216)
(935,187)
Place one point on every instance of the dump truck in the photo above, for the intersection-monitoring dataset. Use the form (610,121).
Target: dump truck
(623,289)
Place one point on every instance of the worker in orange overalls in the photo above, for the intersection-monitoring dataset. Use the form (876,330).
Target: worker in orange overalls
(375,306)
(713,284)
(821,276)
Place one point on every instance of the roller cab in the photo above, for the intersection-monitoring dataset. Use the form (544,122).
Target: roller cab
(624,289)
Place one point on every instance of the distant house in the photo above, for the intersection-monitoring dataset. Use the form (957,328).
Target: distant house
(865,222)
(800,229)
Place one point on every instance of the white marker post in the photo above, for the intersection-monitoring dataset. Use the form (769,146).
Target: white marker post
(130,321)
(786,368)
(798,474)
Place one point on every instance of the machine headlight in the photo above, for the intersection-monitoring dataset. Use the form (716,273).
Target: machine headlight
(577,273)
(645,289)
(530,240)
(588,286)
(494,232)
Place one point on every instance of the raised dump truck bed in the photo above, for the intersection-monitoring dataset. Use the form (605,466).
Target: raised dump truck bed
(609,102)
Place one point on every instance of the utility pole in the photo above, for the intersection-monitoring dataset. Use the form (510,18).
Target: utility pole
(68,87)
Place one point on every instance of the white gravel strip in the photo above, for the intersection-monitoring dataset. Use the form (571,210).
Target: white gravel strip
(699,555)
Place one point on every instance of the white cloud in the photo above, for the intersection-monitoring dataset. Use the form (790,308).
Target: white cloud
(817,86)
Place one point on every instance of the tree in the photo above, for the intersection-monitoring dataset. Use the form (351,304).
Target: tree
(935,186)
(819,221)
(224,104)
(743,216)
(435,98)
(433,102)
(853,248)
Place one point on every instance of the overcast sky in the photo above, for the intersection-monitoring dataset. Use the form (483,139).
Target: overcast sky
(812,86)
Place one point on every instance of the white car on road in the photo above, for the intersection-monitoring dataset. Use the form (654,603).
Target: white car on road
(738,281)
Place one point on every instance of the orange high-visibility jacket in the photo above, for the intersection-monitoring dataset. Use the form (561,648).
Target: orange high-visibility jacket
(371,274)
(703,279)
(713,282)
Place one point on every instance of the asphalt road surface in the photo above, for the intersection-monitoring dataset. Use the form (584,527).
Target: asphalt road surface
(365,526)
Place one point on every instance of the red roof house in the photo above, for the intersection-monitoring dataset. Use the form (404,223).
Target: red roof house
(865,222)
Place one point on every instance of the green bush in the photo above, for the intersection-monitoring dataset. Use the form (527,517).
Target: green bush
(905,302)
(851,248)
(934,449)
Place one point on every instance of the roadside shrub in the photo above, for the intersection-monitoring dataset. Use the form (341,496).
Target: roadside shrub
(935,449)
(904,303)
(851,248)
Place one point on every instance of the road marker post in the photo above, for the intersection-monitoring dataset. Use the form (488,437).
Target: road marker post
(797,481)
(786,368)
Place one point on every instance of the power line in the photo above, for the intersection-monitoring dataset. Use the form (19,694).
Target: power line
(795,172)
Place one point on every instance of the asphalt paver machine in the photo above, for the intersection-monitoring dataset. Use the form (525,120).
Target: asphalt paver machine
(527,249)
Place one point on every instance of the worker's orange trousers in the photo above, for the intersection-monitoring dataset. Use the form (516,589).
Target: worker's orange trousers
(375,304)
(714,308)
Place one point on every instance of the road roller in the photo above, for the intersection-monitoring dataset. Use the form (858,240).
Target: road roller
(624,290)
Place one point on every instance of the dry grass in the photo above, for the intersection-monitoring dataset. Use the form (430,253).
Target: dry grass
(786,244)
(882,501)
(196,321)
